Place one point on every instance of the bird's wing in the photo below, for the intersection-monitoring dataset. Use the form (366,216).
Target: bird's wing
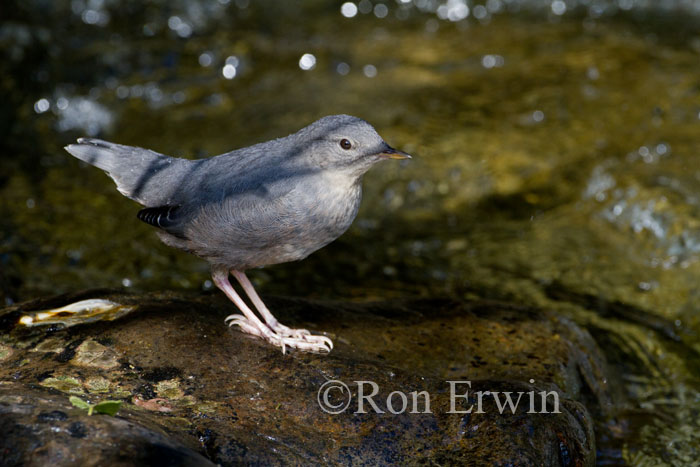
(238,195)
(161,216)
(231,215)
(248,221)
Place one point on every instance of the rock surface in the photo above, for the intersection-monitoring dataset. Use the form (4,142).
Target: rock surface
(196,391)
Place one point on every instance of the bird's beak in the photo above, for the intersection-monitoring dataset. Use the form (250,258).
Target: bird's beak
(391,153)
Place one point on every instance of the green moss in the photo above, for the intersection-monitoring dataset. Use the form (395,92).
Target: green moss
(5,352)
(64,383)
(97,385)
(52,344)
(169,389)
(94,354)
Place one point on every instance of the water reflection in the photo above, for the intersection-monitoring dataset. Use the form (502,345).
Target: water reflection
(348,9)
(307,62)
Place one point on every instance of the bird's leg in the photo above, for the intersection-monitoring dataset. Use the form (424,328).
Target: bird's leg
(263,310)
(251,324)
(272,323)
(247,321)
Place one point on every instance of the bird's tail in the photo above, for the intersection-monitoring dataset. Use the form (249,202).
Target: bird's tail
(145,176)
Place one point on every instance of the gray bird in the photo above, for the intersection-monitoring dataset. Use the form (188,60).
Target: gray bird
(270,203)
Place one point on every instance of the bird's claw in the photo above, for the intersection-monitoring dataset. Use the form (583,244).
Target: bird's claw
(282,336)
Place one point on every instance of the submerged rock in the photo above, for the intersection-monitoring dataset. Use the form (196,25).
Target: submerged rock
(196,390)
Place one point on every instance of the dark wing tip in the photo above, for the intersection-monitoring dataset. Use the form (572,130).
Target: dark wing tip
(161,216)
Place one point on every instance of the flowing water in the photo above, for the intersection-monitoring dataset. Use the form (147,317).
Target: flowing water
(555,164)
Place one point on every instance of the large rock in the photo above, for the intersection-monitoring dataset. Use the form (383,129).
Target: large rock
(196,390)
(39,429)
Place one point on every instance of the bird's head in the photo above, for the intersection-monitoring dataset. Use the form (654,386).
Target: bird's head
(347,144)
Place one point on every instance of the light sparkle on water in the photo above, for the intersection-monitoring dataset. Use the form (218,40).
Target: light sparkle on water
(370,71)
(348,9)
(307,62)
(42,105)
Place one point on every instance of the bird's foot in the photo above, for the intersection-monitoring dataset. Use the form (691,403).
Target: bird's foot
(285,331)
(282,336)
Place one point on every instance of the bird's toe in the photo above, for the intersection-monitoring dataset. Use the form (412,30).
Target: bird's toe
(319,345)
(244,324)
(282,336)
(285,331)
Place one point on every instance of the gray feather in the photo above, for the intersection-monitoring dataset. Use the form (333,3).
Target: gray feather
(145,176)
(269,203)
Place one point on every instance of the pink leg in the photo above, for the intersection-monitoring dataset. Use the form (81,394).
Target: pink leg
(221,280)
(273,332)
(263,310)
(271,321)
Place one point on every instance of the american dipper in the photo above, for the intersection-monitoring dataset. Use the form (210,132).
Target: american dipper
(266,204)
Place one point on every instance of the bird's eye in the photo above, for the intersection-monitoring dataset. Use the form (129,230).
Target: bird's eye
(345,144)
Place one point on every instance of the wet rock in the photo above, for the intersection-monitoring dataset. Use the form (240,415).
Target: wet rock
(233,399)
(471,340)
(36,433)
